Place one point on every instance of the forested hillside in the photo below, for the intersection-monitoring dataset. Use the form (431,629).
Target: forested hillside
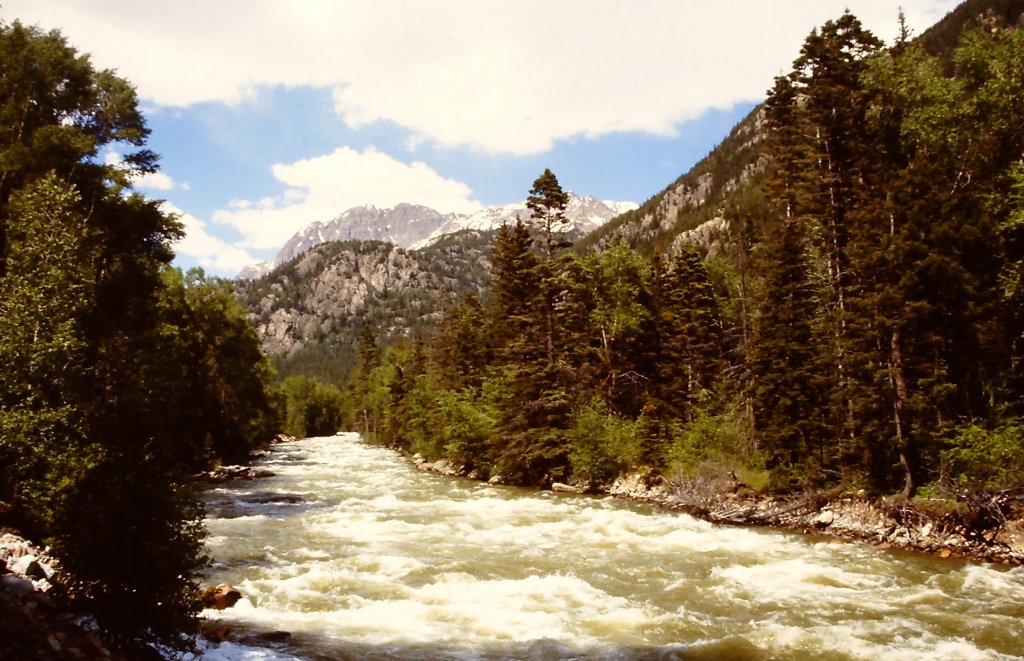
(121,375)
(725,189)
(729,176)
(862,331)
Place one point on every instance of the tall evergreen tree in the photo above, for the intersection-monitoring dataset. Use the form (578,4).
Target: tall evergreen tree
(547,202)
(692,351)
(787,396)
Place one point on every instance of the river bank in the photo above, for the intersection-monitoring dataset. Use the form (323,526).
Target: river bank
(35,621)
(982,527)
(992,531)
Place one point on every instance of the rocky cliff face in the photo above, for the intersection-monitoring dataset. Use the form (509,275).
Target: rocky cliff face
(693,208)
(309,311)
(404,225)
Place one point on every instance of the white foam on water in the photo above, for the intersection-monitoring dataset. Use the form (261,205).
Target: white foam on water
(1005,584)
(228,651)
(383,560)
(858,642)
(795,580)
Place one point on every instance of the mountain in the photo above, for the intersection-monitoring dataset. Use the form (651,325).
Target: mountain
(695,207)
(309,310)
(403,225)
(413,227)
(716,201)
(585,214)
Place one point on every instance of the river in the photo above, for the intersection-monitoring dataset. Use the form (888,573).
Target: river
(358,555)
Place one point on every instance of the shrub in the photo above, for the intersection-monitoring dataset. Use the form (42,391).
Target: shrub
(602,444)
(992,457)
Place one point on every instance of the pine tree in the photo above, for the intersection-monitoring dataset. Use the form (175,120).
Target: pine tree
(515,288)
(788,400)
(462,347)
(525,288)
(691,356)
(547,202)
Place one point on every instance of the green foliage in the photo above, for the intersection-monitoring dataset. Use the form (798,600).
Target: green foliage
(42,301)
(125,537)
(121,377)
(232,394)
(603,445)
(992,457)
(466,424)
(718,438)
(312,408)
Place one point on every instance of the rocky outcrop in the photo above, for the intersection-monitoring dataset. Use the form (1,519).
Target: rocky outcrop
(26,567)
(243,471)
(675,215)
(323,296)
(712,237)
(441,467)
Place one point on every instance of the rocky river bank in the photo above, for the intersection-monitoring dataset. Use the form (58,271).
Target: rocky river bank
(986,527)
(35,621)
(983,526)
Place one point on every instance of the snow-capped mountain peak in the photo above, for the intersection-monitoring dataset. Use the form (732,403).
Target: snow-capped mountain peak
(413,226)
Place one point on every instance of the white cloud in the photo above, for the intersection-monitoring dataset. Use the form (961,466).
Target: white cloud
(159,181)
(210,252)
(490,74)
(322,187)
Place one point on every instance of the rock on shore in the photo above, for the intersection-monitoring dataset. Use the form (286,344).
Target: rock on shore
(946,529)
(33,623)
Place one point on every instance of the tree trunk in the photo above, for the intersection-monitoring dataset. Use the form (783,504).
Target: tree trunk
(899,385)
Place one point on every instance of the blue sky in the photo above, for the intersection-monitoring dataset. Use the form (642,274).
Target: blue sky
(269,115)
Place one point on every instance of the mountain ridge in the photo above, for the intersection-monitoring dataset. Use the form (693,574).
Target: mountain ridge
(413,226)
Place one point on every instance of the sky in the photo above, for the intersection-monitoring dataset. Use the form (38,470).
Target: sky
(269,115)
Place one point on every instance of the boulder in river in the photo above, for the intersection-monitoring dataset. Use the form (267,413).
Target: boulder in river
(220,596)
(229,473)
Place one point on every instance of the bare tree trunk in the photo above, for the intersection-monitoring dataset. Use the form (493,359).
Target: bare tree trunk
(899,385)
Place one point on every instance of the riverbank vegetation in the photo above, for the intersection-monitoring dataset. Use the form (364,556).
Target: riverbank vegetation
(864,332)
(122,376)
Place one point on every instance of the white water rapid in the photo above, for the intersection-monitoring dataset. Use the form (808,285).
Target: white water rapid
(360,556)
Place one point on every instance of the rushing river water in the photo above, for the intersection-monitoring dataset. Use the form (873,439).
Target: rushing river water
(360,556)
